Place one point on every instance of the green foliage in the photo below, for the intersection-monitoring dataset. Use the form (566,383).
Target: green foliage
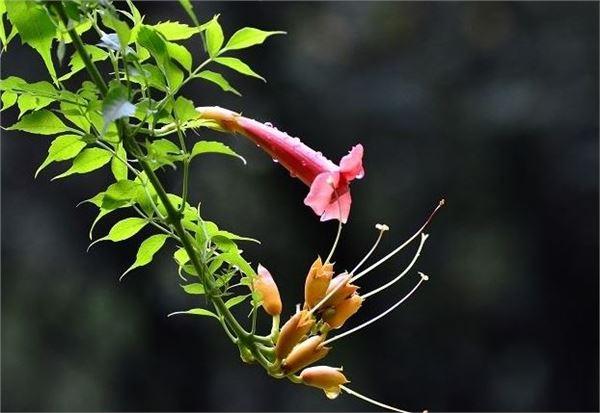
(193,289)
(214,37)
(238,66)
(248,37)
(124,229)
(41,122)
(35,28)
(132,117)
(145,254)
(88,160)
(61,149)
(203,147)
(175,30)
(196,311)
(219,80)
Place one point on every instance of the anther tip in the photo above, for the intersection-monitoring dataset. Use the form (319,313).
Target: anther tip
(442,201)
(425,277)
(382,227)
(425,411)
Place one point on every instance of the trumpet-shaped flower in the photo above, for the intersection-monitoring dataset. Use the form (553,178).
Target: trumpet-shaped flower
(329,194)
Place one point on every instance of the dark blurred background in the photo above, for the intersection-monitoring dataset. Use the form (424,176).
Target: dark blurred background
(493,106)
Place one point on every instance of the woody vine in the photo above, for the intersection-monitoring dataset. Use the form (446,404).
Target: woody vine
(134,119)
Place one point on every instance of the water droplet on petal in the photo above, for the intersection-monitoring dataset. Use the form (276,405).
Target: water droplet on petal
(269,124)
(275,160)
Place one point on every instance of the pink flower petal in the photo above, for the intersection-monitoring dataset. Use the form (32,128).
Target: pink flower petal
(351,165)
(321,191)
(337,206)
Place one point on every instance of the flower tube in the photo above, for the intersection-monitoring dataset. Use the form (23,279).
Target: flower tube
(329,194)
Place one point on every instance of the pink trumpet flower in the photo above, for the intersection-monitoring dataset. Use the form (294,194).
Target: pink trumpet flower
(329,194)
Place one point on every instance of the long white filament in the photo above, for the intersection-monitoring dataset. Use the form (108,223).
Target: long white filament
(403,273)
(369,400)
(386,312)
(401,247)
(382,228)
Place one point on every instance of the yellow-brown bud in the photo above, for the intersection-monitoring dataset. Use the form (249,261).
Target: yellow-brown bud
(337,316)
(329,379)
(292,332)
(224,118)
(341,293)
(305,353)
(317,281)
(266,287)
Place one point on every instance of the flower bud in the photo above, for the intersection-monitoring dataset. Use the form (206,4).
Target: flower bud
(265,285)
(342,292)
(292,332)
(224,118)
(337,316)
(317,281)
(329,379)
(305,353)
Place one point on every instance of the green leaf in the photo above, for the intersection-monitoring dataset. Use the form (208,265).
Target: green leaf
(236,300)
(184,109)
(123,230)
(41,122)
(214,36)
(180,54)
(76,64)
(150,75)
(181,256)
(213,147)
(219,80)
(194,289)
(117,163)
(120,193)
(61,149)
(35,28)
(88,160)
(173,74)
(234,237)
(145,254)
(196,311)
(74,114)
(8,99)
(238,66)
(116,104)
(157,47)
(26,103)
(247,37)
(2,31)
(232,258)
(163,152)
(175,30)
(102,213)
